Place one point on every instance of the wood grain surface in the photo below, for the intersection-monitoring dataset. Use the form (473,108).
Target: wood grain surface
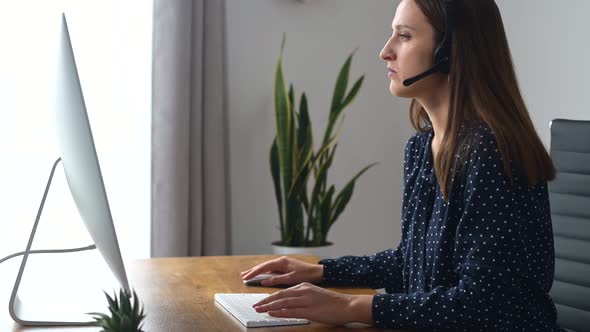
(177,294)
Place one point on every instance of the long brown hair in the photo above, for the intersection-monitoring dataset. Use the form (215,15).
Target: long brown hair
(483,88)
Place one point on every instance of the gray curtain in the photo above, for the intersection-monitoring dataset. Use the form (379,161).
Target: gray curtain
(190,210)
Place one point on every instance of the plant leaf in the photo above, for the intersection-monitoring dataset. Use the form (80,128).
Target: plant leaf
(339,91)
(311,162)
(316,194)
(291,97)
(344,196)
(136,310)
(276,177)
(112,303)
(285,139)
(283,122)
(353,92)
(124,299)
(325,206)
(305,139)
(341,86)
(304,132)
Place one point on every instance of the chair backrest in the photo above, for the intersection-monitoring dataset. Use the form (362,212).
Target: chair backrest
(570,212)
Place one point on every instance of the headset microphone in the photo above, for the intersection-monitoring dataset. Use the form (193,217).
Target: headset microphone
(430,71)
(443,51)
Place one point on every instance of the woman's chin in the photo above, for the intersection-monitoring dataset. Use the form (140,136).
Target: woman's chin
(399,90)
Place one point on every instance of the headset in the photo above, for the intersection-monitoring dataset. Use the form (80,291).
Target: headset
(442,54)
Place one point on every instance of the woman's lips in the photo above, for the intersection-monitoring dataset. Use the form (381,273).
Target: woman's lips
(391,72)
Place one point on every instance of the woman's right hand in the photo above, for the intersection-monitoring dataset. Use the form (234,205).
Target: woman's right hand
(292,272)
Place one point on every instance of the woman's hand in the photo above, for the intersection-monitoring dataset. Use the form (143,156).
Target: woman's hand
(292,271)
(317,304)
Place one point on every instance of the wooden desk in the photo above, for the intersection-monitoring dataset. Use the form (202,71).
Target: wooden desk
(177,294)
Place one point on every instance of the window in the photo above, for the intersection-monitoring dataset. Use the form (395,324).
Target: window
(112,46)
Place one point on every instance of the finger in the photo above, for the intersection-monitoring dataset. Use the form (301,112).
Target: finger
(289,292)
(275,265)
(284,279)
(286,303)
(243,273)
(289,313)
(258,269)
(272,297)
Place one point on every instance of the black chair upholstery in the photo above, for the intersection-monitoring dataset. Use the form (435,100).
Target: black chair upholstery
(570,212)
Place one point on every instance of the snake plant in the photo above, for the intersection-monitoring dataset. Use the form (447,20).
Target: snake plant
(307,216)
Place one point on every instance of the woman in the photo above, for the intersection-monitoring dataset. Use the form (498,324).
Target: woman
(476,252)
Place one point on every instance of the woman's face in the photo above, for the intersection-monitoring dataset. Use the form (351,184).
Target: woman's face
(409,51)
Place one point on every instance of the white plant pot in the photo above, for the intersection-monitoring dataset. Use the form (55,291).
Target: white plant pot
(321,251)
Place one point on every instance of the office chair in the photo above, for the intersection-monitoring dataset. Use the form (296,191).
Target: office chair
(569,195)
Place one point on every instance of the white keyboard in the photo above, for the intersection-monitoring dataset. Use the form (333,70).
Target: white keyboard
(240,306)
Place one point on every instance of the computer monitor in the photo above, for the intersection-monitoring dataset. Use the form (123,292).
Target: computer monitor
(84,178)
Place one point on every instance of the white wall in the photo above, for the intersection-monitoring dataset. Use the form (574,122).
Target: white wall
(550,50)
(320,35)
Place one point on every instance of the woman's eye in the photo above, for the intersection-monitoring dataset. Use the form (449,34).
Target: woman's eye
(404,36)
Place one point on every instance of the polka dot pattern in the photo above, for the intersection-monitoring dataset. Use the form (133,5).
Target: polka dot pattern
(483,261)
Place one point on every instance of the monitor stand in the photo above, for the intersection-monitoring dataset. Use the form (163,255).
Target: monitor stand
(31,315)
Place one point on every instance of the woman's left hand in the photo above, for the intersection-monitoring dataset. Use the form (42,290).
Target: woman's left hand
(316,304)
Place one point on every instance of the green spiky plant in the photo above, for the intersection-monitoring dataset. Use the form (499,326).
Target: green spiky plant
(306,217)
(125,316)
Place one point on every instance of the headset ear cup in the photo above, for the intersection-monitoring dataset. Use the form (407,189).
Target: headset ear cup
(442,54)
(439,54)
(442,58)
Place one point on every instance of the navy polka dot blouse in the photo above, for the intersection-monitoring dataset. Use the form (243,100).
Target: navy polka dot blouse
(484,261)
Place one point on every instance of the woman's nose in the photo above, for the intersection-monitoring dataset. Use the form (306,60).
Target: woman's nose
(387,53)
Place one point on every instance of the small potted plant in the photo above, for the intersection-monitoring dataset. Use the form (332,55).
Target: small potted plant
(308,206)
(126,315)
